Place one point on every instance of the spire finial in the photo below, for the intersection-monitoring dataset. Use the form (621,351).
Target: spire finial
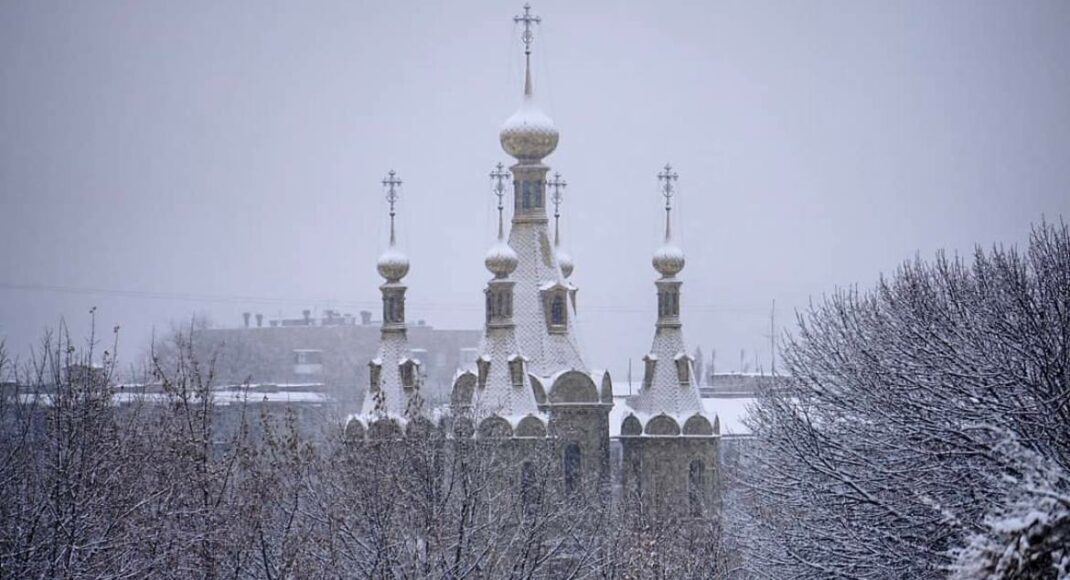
(666,179)
(391,183)
(499,175)
(557,184)
(528,38)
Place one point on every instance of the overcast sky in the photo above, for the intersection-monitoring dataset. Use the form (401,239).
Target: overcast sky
(219,157)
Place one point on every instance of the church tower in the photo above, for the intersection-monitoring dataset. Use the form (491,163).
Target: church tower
(498,399)
(531,277)
(393,397)
(669,444)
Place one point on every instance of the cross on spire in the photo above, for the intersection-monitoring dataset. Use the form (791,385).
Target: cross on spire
(528,37)
(557,184)
(391,183)
(499,175)
(666,179)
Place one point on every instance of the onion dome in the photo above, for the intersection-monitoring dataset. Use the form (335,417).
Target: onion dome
(393,264)
(501,259)
(565,262)
(668,259)
(530,133)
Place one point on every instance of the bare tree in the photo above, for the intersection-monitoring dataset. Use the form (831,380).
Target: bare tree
(884,455)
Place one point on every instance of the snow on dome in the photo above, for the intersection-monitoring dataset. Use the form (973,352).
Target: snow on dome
(565,261)
(501,259)
(529,134)
(669,259)
(393,265)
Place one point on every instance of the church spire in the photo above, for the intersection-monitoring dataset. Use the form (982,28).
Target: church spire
(563,259)
(668,259)
(501,259)
(529,135)
(528,38)
(544,329)
(393,388)
(668,386)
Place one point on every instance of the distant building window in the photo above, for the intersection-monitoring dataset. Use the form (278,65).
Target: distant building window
(573,460)
(307,362)
(696,487)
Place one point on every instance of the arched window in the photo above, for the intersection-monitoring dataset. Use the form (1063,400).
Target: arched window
(572,467)
(483,367)
(516,371)
(557,310)
(490,306)
(648,370)
(529,496)
(375,369)
(408,374)
(683,370)
(696,487)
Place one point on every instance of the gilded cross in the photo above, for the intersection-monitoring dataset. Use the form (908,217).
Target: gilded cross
(666,178)
(528,19)
(499,175)
(391,183)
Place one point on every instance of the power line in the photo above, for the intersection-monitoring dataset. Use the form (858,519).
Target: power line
(327,302)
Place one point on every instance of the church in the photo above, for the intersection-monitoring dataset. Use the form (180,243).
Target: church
(530,381)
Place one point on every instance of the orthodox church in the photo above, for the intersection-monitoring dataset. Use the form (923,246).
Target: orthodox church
(530,380)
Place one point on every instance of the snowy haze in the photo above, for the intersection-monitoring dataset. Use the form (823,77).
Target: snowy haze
(159,159)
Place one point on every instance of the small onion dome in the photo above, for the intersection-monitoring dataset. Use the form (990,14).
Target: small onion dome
(565,261)
(668,260)
(529,134)
(393,265)
(501,259)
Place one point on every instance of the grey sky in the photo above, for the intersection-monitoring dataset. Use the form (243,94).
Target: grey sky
(234,149)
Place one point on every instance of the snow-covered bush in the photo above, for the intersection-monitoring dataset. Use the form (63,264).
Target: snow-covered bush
(1028,537)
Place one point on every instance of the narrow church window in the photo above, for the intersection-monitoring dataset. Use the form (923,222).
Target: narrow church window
(408,374)
(648,371)
(527,195)
(696,487)
(528,481)
(683,369)
(572,464)
(483,366)
(516,369)
(374,371)
(537,186)
(557,310)
(490,306)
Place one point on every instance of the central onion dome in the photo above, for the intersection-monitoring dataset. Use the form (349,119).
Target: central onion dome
(529,134)
(668,259)
(501,259)
(393,264)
